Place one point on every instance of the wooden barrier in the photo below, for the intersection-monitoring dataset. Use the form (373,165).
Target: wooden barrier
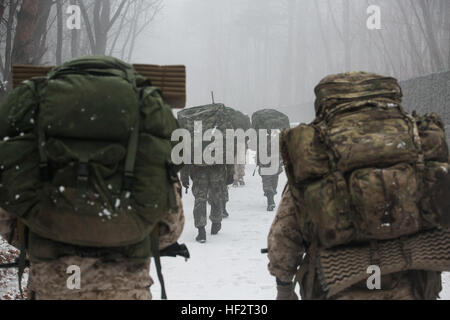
(170,79)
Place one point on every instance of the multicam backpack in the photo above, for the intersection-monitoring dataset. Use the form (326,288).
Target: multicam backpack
(85,156)
(363,170)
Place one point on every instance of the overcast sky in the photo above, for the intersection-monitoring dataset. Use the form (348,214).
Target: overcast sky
(258,54)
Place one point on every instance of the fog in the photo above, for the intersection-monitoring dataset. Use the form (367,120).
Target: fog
(252,53)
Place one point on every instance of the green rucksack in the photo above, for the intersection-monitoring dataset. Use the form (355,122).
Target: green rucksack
(85,156)
(363,170)
(212,117)
(268,119)
(241,121)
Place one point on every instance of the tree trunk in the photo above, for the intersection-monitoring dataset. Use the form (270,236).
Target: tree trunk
(74,38)
(26,21)
(9,43)
(59,40)
(430,36)
(416,57)
(346,34)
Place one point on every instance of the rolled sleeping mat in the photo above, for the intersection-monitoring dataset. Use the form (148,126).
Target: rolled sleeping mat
(342,267)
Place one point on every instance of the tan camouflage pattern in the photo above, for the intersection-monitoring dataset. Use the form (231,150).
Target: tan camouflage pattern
(372,191)
(6,223)
(171,227)
(286,247)
(100,280)
(303,144)
(432,134)
(375,134)
(285,241)
(359,168)
(339,88)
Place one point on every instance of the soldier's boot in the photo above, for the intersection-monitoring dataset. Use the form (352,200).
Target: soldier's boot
(215,228)
(235,184)
(270,203)
(201,235)
(242,182)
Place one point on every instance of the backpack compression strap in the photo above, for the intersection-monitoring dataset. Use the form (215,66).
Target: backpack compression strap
(154,243)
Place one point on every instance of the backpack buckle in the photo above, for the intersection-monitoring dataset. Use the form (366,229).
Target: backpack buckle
(83,171)
(44,171)
(128,182)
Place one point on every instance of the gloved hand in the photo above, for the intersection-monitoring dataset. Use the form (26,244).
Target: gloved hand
(185,184)
(230,180)
(230,174)
(286,292)
(184,177)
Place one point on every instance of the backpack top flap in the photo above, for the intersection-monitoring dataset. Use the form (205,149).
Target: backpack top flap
(170,79)
(344,87)
(97,191)
(270,119)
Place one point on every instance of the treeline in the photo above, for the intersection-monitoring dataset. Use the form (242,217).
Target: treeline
(43,32)
(272,53)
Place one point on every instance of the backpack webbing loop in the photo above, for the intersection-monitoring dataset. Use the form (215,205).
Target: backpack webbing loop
(131,155)
(22,260)
(154,243)
(83,173)
(173,179)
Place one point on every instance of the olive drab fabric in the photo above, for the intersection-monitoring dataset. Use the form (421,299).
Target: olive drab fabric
(363,169)
(211,117)
(241,121)
(270,119)
(85,155)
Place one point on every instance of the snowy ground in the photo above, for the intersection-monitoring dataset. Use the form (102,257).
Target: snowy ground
(9,287)
(228,267)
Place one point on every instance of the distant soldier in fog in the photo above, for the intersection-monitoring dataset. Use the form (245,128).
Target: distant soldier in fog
(274,122)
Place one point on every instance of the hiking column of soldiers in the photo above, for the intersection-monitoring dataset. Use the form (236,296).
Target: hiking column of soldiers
(368,187)
(211,181)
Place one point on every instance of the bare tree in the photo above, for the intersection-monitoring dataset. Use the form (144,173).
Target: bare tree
(23,38)
(429,32)
(103,19)
(59,41)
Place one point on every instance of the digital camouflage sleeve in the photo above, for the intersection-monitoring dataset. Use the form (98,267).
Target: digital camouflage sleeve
(285,242)
(171,227)
(7,221)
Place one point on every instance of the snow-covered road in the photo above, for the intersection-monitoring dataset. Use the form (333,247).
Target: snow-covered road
(229,265)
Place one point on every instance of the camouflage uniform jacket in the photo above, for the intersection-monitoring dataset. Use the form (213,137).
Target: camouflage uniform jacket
(100,279)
